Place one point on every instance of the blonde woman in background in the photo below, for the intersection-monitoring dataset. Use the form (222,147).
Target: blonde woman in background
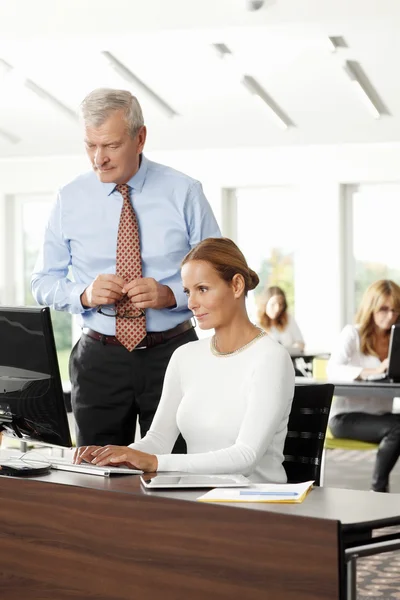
(273,316)
(361,351)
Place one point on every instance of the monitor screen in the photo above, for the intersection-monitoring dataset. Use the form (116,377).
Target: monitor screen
(31,397)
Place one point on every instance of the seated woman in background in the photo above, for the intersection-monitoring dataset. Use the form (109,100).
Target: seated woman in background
(229,395)
(275,319)
(362,350)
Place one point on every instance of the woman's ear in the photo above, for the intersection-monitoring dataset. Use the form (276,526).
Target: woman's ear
(238,285)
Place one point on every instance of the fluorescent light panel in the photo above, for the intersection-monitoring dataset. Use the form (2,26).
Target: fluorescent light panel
(5,66)
(232,66)
(222,50)
(9,70)
(365,90)
(275,112)
(127,74)
(271,114)
(336,41)
(45,95)
(10,137)
(365,99)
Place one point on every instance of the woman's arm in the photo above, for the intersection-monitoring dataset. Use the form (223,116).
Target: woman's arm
(269,399)
(159,439)
(383,367)
(344,353)
(162,435)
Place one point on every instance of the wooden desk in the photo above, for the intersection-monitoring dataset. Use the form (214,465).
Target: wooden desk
(357,388)
(106,538)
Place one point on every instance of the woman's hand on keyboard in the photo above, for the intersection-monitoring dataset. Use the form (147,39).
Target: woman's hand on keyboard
(84,454)
(117,455)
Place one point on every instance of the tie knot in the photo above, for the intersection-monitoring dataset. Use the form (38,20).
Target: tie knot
(123,189)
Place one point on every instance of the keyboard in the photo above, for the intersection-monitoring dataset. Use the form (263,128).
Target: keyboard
(63,464)
(378,377)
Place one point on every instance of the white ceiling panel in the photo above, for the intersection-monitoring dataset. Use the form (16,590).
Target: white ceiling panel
(168,45)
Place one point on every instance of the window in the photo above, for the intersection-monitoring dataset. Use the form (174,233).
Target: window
(267,233)
(32,213)
(375,233)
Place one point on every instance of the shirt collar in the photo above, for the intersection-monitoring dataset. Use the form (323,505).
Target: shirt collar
(135,182)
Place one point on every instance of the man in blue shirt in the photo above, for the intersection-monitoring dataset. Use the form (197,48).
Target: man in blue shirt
(112,386)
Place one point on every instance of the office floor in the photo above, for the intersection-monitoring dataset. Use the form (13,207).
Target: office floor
(352,469)
(377,576)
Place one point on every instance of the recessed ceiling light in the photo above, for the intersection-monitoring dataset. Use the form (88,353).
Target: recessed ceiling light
(127,74)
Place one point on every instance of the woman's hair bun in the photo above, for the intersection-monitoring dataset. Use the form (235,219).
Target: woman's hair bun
(254,280)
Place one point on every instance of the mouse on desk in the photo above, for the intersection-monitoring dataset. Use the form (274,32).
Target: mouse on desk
(21,469)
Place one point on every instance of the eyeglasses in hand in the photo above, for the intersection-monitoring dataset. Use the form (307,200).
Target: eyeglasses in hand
(111,311)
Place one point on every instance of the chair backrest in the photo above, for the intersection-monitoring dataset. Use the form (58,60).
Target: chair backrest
(308,420)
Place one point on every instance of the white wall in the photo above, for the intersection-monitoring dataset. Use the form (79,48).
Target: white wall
(318,171)
(229,168)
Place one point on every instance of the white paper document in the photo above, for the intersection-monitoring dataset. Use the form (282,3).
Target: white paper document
(260,492)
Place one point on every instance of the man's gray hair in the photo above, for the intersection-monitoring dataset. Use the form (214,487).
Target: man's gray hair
(97,107)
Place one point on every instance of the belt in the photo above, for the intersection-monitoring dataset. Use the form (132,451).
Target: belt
(153,338)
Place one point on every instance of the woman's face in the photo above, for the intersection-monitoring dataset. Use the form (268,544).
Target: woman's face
(274,306)
(212,300)
(385,316)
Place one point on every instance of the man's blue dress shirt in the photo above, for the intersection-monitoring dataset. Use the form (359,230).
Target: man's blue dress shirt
(173,216)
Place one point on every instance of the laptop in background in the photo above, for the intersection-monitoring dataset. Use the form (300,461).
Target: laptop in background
(393,372)
(394,354)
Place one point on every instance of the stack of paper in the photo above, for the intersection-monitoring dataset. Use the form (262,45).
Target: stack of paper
(260,492)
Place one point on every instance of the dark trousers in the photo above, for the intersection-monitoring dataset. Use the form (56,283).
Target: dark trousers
(112,387)
(377,429)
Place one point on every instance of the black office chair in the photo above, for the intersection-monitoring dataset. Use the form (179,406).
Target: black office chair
(304,444)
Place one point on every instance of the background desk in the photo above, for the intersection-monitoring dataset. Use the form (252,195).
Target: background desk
(303,361)
(106,538)
(307,355)
(357,388)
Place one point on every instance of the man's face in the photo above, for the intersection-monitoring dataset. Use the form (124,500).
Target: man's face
(113,153)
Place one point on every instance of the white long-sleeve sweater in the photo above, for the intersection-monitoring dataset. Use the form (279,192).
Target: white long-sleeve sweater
(345,364)
(231,410)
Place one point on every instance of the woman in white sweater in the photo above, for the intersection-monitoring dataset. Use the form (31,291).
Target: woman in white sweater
(229,395)
(278,323)
(360,352)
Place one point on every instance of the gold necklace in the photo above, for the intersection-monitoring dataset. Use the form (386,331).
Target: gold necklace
(216,352)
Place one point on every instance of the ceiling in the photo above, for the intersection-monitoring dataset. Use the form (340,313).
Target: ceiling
(57,44)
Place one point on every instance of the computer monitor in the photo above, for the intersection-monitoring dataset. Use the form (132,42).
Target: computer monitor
(31,398)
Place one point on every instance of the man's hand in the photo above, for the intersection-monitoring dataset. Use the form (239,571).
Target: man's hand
(105,289)
(117,455)
(146,292)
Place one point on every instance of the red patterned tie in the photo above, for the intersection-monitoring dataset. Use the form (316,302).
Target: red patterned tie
(129,266)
